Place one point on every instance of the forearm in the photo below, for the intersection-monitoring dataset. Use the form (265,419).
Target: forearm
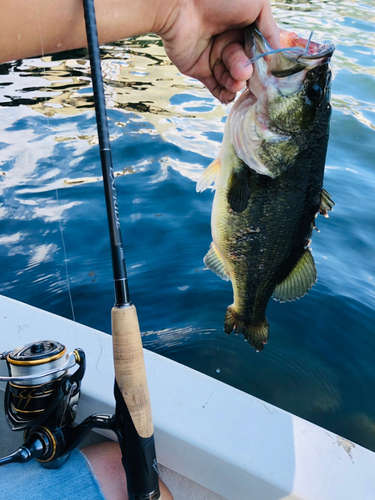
(203,38)
(33,27)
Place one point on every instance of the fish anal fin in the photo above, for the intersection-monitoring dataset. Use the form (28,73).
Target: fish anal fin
(209,176)
(326,203)
(215,263)
(239,190)
(299,281)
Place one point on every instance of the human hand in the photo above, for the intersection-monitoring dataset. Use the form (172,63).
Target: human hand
(204,39)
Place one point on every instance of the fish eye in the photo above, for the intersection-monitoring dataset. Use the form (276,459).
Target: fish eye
(315,92)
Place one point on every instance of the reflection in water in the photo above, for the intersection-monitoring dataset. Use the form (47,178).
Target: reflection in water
(41,253)
(165,128)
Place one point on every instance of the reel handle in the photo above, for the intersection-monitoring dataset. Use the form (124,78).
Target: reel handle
(32,448)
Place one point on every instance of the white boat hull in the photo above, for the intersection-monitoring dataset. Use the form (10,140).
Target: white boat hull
(213,442)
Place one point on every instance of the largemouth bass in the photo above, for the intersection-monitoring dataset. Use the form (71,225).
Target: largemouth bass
(269,181)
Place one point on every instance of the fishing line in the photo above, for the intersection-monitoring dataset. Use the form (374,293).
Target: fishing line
(308,42)
(66,261)
(300,51)
(57,194)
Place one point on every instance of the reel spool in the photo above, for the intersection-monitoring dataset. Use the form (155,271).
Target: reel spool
(38,381)
(27,399)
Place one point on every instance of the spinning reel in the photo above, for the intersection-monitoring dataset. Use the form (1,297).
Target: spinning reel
(41,399)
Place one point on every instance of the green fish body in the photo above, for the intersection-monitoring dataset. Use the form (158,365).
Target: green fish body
(269,186)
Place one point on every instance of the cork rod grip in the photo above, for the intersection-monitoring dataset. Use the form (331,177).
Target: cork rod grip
(130,368)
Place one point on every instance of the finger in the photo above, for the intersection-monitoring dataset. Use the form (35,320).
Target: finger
(222,41)
(237,62)
(226,97)
(229,62)
(268,27)
(225,79)
(221,93)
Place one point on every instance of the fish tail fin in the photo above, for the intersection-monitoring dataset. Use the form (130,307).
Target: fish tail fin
(256,333)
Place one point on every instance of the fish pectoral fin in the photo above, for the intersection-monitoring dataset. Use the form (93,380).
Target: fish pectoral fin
(326,203)
(239,190)
(215,263)
(209,176)
(299,281)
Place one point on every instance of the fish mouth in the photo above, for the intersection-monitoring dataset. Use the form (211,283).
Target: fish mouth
(296,53)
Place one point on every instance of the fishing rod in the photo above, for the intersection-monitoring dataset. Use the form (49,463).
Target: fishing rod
(133,416)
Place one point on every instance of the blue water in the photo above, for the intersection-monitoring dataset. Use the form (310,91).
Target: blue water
(165,129)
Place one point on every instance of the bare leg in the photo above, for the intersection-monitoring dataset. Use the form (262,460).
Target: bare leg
(105,460)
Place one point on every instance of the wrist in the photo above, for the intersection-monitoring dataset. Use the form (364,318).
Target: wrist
(166,14)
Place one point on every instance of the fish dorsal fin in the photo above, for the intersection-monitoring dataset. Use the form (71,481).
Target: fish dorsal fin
(214,261)
(299,281)
(239,190)
(209,176)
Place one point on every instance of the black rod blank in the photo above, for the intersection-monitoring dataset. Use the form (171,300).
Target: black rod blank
(118,258)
